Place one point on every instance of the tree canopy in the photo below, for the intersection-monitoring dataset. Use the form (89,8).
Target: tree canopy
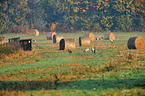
(72,15)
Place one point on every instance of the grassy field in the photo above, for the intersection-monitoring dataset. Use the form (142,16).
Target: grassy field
(53,72)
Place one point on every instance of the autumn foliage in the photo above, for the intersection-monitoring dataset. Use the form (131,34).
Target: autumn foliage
(72,15)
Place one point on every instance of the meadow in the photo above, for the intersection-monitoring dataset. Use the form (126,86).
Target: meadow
(53,72)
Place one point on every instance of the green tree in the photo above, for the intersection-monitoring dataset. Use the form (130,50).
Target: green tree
(129,14)
(4,19)
(13,12)
(96,15)
(52,11)
(34,13)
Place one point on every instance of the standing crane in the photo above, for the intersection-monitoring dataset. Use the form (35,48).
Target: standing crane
(86,50)
(93,50)
(111,41)
(69,50)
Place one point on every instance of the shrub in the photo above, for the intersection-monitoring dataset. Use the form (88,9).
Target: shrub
(9,48)
(1,37)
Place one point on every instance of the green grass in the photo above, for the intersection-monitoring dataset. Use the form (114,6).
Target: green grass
(55,72)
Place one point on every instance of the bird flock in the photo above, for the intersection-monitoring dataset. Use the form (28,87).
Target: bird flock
(88,49)
(93,50)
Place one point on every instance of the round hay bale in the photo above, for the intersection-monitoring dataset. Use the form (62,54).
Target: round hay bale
(33,32)
(90,35)
(57,38)
(84,41)
(64,43)
(50,35)
(109,36)
(136,43)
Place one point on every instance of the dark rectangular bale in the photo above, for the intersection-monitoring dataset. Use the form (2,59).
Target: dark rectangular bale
(26,44)
(16,39)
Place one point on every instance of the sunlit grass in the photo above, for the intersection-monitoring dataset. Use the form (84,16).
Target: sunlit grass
(50,71)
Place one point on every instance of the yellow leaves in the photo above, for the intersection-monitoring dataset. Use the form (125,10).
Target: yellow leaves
(3,21)
(143,11)
(53,26)
(105,11)
(11,10)
(107,21)
(76,9)
(130,2)
(70,1)
(23,3)
(133,9)
(5,6)
(97,26)
(99,4)
(120,0)
(84,10)
(97,7)
(103,2)
(72,21)
(76,3)
(101,8)
(87,8)
(128,11)
(86,2)
(127,6)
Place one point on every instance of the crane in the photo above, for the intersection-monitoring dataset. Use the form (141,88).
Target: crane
(93,50)
(69,50)
(111,41)
(86,50)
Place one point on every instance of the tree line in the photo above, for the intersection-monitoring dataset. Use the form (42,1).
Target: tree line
(72,15)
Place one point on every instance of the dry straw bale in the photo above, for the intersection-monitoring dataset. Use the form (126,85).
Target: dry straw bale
(109,36)
(67,42)
(50,35)
(136,43)
(90,35)
(84,41)
(57,38)
(33,32)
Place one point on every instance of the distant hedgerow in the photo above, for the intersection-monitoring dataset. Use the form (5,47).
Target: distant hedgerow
(15,29)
